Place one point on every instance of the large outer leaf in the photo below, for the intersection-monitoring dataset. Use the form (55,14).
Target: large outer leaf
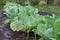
(41,28)
(49,33)
(57,26)
(16,25)
(11,9)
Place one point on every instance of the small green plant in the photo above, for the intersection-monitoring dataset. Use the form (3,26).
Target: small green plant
(26,18)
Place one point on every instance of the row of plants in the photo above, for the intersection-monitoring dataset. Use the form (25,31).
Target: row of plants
(31,2)
(26,19)
(50,9)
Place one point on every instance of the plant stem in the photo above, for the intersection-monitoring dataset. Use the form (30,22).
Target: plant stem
(27,38)
(35,36)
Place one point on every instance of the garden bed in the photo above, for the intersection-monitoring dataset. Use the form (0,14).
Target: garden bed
(7,34)
(25,22)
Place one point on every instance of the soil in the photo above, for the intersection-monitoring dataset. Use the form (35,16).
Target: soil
(44,13)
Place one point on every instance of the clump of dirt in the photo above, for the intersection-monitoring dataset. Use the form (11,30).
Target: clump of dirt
(44,13)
